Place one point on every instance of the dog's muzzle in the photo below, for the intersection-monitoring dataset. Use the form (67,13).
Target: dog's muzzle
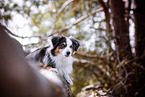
(67,53)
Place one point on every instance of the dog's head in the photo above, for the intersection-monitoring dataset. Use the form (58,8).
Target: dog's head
(64,46)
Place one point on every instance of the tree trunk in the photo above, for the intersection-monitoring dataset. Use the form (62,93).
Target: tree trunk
(121,29)
(139,14)
(122,44)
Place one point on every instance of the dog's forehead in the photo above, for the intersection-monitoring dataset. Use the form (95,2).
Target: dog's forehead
(68,41)
(62,40)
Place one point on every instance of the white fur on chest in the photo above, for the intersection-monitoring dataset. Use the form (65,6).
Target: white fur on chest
(63,64)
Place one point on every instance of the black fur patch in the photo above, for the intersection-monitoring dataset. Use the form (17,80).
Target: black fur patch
(76,44)
(41,54)
(50,62)
(56,41)
(37,55)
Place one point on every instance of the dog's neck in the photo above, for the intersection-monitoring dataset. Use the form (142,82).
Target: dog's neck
(63,64)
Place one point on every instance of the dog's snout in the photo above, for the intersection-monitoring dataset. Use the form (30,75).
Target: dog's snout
(68,52)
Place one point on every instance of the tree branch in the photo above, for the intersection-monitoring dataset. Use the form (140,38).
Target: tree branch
(8,31)
(78,20)
(93,56)
(35,36)
(59,13)
(100,70)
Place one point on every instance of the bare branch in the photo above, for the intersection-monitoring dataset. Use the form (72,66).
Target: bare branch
(8,31)
(79,20)
(35,36)
(103,5)
(84,61)
(99,69)
(59,13)
(94,56)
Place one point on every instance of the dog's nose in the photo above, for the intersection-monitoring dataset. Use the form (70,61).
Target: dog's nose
(68,52)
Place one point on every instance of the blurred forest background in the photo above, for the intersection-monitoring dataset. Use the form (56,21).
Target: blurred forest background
(111,58)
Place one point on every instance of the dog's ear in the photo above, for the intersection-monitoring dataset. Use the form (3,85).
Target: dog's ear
(55,40)
(76,44)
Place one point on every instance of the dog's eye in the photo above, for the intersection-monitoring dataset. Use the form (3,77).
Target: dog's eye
(71,46)
(62,46)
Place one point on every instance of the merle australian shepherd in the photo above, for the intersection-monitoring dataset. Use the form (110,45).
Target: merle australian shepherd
(59,55)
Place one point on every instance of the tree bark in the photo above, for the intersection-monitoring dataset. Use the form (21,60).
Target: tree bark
(139,15)
(122,43)
(120,29)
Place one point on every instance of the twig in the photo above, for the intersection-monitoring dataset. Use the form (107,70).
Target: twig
(84,61)
(136,94)
(99,69)
(93,56)
(122,82)
(36,36)
(79,20)
(59,13)
(140,66)
(8,31)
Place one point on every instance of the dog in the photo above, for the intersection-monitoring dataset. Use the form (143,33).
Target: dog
(59,55)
